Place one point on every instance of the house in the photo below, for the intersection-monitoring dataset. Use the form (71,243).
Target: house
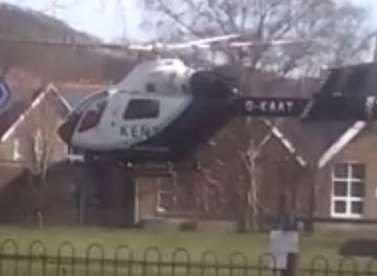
(28,143)
(341,158)
(21,86)
(325,170)
(45,186)
(235,178)
(108,196)
(348,167)
(342,162)
(246,170)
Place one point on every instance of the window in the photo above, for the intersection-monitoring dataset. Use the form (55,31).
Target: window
(142,109)
(166,195)
(16,150)
(38,145)
(93,116)
(87,102)
(348,190)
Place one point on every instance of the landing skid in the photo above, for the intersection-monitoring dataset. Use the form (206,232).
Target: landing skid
(145,169)
(167,169)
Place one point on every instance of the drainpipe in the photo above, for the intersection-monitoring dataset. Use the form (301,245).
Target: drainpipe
(313,171)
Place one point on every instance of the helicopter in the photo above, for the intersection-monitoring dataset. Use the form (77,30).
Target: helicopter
(163,110)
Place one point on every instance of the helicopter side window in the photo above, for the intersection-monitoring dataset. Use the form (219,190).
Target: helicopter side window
(142,109)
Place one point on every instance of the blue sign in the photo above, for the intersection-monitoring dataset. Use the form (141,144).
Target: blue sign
(4,94)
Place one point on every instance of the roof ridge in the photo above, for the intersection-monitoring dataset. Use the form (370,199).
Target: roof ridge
(44,92)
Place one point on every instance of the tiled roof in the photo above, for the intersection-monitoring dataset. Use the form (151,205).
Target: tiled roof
(312,139)
(316,139)
(360,79)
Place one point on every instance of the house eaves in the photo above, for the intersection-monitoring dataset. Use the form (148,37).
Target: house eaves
(49,89)
(341,143)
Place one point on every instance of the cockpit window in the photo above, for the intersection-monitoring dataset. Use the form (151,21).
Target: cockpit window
(142,109)
(99,97)
(93,109)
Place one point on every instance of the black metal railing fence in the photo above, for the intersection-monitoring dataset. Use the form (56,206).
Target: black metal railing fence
(95,259)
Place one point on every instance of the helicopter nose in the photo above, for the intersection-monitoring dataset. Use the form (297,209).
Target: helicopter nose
(66,130)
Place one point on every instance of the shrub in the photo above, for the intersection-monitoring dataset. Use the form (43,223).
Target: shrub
(188,226)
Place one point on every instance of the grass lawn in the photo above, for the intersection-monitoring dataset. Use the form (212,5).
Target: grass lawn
(253,245)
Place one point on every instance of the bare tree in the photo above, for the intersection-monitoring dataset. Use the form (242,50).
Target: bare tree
(41,148)
(333,32)
(338,28)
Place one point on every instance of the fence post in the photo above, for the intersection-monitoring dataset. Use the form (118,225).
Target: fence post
(292,265)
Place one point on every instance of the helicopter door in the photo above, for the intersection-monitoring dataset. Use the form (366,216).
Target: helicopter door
(140,120)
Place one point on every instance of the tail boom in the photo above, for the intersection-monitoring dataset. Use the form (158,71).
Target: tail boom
(334,108)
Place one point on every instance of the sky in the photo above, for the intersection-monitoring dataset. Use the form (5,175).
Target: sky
(99,17)
(104,19)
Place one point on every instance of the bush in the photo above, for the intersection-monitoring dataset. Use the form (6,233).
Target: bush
(188,226)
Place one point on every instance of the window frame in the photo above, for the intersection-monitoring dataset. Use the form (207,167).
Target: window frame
(88,101)
(38,144)
(126,116)
(160,208)
(17,156)
(348,198)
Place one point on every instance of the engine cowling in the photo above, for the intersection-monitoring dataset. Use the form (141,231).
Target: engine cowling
(207,84)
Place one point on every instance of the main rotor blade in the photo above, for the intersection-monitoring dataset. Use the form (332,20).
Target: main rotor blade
(201,43)
(55,43)
(244,44)
(204,41)
(238,44)
(79,45)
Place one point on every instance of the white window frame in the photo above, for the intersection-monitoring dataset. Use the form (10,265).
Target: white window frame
(160,209)
(17,156)
(348,198)
(38,145)
(38,141)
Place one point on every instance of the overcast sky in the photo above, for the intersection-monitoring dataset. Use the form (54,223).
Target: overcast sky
(104,19)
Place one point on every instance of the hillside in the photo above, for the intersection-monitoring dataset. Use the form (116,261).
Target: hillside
(54,63)
(27,23)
